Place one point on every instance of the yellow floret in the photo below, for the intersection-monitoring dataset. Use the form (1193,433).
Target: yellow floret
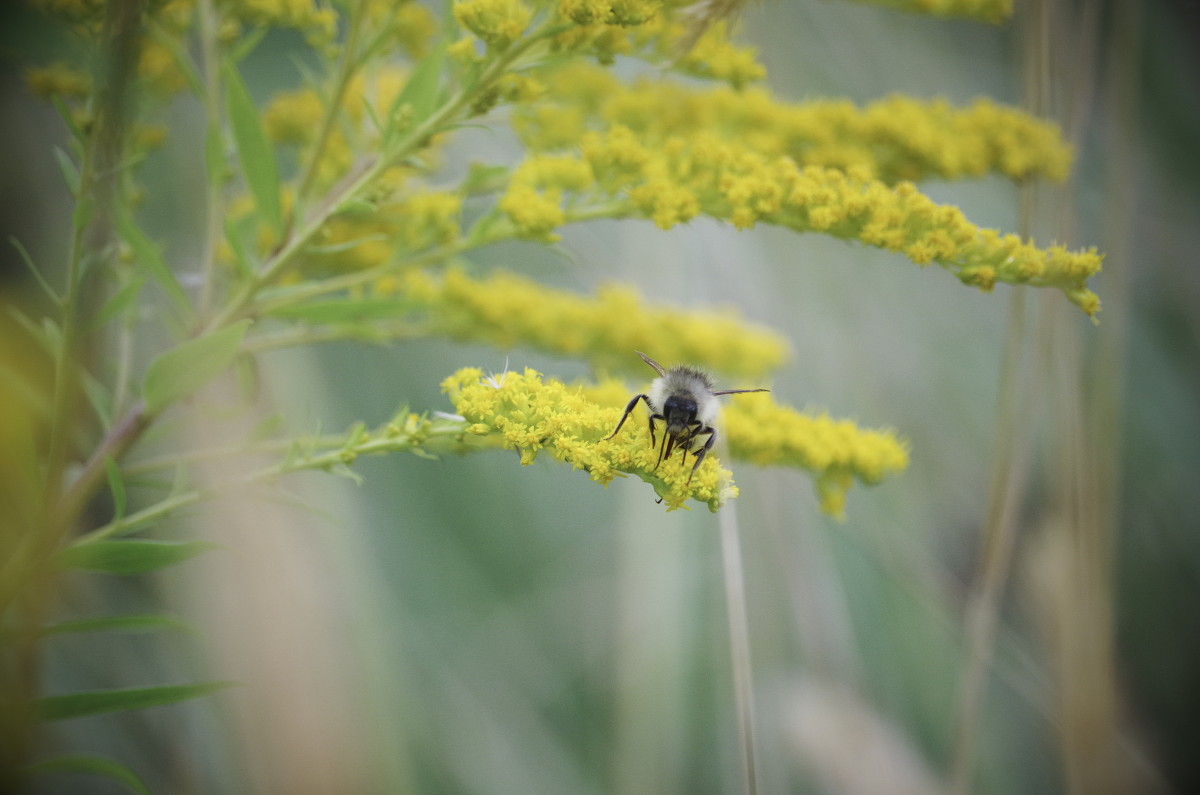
(497,22)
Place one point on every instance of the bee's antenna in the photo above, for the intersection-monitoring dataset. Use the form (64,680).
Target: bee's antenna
(658,368)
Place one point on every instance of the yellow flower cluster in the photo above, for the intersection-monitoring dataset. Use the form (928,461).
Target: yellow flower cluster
(531,415)
(608,12)
(533,200)
(506,310)
(356,240)
(315,19)
(714,57)
(58,80)
(984,10)
(497,22)
(895,138)
(836,451)
(406,23)
(683,176)
(294,117)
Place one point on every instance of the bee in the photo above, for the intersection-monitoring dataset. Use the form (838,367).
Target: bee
(684,399)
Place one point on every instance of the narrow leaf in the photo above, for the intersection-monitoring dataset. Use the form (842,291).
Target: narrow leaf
(98,702)
(132,556)
(254,150)
(99,398)
(421,90)
(117,486)
(148,257)
(92,765)
(180,371)
(241,258)
(37,273)
(68,117)
(120,303)
(346,245)
(70,173)
(130,623)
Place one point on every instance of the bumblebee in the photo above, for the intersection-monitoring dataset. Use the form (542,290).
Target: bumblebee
(683,398)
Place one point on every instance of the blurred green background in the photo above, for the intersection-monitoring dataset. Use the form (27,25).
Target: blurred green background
(470,625)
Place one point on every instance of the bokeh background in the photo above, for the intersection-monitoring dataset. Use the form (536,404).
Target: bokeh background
(471,625)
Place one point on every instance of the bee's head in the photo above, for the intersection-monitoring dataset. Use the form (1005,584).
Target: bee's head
(680,412)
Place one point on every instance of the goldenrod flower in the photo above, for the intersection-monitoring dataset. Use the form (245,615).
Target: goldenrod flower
(507,310)
(713,56)
(671,181)
(534,213)
(529,414)
(896,138)
(406,22)
(609,12)
(59,80)
(158,67)
(293,117)
(760,431)
(836,451)
(315,19)
(497,22)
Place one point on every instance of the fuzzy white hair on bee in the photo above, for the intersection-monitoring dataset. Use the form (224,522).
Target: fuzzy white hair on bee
(683,399)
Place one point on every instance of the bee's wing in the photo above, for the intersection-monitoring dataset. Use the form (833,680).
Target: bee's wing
(658,368)
(736,391)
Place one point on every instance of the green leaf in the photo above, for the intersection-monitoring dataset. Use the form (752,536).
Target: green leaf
(70,173)
(176,373)
(93,765)
(148,257)
(420,93)
(130,556)
(254,150)
(131,623)
(98,702)
(482,178)
(241,258)
(68,117)
(37,273)
(345,310)
(120,303)
(346,245)
(117,486)
(99,398)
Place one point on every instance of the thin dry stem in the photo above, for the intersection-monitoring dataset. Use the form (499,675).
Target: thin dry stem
(739,642)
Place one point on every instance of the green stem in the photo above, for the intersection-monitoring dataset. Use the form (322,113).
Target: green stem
(347,67)
(437,435)
(307,335)
(210,62)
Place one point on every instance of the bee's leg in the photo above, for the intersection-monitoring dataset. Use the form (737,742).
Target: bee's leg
(712,437)
(625,416)
(654,418)
(685,443)
(665,451)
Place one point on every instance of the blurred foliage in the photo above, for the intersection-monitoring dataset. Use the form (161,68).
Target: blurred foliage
(466,624)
